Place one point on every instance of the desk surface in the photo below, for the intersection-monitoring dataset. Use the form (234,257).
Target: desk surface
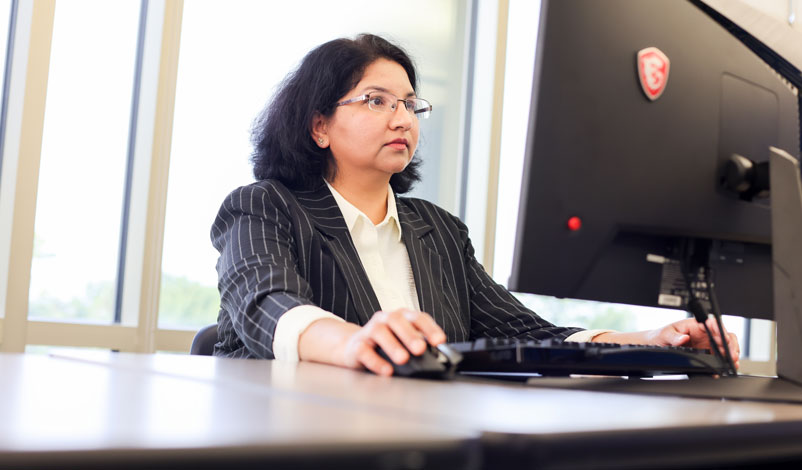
(169,405)
(133,408)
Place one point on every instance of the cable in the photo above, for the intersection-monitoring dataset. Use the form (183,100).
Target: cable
(697,309)
(717,315)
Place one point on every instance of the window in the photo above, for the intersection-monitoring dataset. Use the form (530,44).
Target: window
(5,30)
(83,160)
(232,57)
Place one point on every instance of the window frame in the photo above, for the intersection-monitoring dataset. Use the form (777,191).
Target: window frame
(149,153)
(135,327)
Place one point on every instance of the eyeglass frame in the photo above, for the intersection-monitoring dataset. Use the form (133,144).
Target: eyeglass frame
(366,97)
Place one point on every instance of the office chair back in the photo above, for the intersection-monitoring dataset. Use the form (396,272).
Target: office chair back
(204,341)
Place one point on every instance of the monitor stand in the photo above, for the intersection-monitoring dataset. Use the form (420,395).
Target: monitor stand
(786,246)
(786,237)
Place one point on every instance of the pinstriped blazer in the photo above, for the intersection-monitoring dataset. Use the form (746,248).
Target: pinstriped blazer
(281,248)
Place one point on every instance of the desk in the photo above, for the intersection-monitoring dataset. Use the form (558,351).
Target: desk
(122,411)
(146,408)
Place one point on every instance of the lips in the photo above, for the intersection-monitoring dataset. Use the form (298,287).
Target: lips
(398,144)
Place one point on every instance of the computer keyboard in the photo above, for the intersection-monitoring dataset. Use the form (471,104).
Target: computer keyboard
(553,357)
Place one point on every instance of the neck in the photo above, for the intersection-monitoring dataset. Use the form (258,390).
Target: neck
(370,197)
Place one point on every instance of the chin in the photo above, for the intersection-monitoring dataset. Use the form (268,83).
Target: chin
(397,165)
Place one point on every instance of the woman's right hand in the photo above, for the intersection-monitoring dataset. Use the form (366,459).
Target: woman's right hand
(398,333)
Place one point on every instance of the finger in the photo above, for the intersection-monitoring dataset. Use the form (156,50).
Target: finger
(685,326)
(735,347)
(426,324)
(679,339)
(712,326)
(407,332)
(731,339)
(367,356)
(732,345)
(381,334)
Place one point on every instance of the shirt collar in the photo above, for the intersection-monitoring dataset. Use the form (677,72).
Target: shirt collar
(351,214)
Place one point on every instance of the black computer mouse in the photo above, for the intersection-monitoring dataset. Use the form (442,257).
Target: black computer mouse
(436,362)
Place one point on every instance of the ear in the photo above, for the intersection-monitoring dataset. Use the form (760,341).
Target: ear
(320,126)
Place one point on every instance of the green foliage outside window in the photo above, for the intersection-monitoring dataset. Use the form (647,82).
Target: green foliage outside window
(599,315)
(182,304)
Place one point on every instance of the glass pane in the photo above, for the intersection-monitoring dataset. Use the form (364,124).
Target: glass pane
(619,317)
(5,23)
(225,77)
(84,152)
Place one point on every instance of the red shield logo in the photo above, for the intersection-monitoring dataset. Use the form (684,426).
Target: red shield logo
(653,68)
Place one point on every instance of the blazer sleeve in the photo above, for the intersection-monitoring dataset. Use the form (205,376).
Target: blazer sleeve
(258,276)
(495,312)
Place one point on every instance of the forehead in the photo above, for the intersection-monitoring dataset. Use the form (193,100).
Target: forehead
(388,75)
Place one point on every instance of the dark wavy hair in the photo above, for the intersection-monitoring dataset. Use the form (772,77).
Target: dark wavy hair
(281,135)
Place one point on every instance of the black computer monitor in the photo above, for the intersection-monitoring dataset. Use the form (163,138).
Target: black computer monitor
(622,175)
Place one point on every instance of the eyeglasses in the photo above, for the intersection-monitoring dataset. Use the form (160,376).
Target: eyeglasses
(387,103)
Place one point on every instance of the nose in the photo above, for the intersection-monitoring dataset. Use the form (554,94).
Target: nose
(401,118)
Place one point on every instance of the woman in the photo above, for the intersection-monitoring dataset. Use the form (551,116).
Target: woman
(321,260)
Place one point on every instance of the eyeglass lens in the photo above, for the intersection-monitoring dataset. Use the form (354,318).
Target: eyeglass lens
(386,103)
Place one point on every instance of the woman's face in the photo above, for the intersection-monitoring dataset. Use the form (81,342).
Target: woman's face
(366,143)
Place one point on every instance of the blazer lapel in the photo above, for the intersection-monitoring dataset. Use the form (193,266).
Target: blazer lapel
(326,216)
(426,263)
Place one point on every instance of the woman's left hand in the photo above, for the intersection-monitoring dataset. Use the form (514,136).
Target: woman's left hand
(687,332)
(690,333)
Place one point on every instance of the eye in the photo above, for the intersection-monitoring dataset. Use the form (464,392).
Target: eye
(377,101)
(410,104)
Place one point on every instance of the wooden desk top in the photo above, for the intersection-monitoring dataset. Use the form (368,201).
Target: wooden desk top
(113,401)
(471,404)
(56,409)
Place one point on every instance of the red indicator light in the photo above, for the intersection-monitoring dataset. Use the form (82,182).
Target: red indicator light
(574,223)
